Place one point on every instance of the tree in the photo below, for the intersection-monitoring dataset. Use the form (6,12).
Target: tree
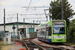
(71,32)
(57,13)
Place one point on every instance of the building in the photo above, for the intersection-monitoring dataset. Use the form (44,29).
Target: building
(23,28)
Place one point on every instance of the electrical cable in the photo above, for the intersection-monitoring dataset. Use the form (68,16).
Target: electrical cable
(28,7)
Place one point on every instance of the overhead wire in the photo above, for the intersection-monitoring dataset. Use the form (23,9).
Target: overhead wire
(34,6)
(28,7)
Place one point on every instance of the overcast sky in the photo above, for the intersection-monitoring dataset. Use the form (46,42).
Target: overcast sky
(12,7)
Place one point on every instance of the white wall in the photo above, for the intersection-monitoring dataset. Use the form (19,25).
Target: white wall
(9,28)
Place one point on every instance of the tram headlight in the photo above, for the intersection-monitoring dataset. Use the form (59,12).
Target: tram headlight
(53,37)
(64,37)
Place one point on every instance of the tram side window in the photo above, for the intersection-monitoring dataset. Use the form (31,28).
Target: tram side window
(43,31)
(49,31)
(39,32)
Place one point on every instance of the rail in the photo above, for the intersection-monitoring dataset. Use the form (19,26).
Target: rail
(38,45)
(35,43)
(26,45)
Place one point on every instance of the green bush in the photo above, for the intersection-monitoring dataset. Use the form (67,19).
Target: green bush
(71,32)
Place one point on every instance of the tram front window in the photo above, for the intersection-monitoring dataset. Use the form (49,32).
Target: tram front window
(58,29)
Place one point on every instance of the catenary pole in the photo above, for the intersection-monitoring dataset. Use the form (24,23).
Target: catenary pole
(24,27)
(4,29)
(33,24)
(17,26)
(62,10)
(4,23)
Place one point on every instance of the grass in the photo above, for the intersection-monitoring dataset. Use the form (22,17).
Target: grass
(5,47)
(2,43)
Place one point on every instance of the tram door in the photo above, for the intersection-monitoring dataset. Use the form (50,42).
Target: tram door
(48,29)
(46,36)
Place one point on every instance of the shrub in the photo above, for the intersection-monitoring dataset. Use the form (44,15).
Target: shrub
(71,32)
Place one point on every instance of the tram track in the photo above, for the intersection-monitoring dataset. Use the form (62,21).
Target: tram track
(26,45)
(38,45)
(61,47)
(35,43)
(54,46)
(29,44)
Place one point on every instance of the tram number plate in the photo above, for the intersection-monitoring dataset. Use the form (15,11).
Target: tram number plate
(59,36)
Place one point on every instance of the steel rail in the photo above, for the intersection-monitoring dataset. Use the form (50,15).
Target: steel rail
(29,43)
(37,45)
(26,45)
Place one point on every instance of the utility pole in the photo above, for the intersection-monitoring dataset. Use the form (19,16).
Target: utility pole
(24,27)
(4,29)
(33,25)
(4,23)
(62,10)
(17,26)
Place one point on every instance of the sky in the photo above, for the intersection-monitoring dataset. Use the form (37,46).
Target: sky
(12,7)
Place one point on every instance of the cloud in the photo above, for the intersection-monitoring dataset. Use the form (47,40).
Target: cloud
(2,3)
(15,6)
(41,3)
(72,2)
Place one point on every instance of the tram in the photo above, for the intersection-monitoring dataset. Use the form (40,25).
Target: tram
(53,31)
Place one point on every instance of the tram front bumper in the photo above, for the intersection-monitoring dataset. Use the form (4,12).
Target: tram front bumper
(58,40)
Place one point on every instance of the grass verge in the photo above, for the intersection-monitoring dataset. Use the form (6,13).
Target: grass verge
(5,47)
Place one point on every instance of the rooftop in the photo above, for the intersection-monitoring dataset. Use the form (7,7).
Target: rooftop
(19,23)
